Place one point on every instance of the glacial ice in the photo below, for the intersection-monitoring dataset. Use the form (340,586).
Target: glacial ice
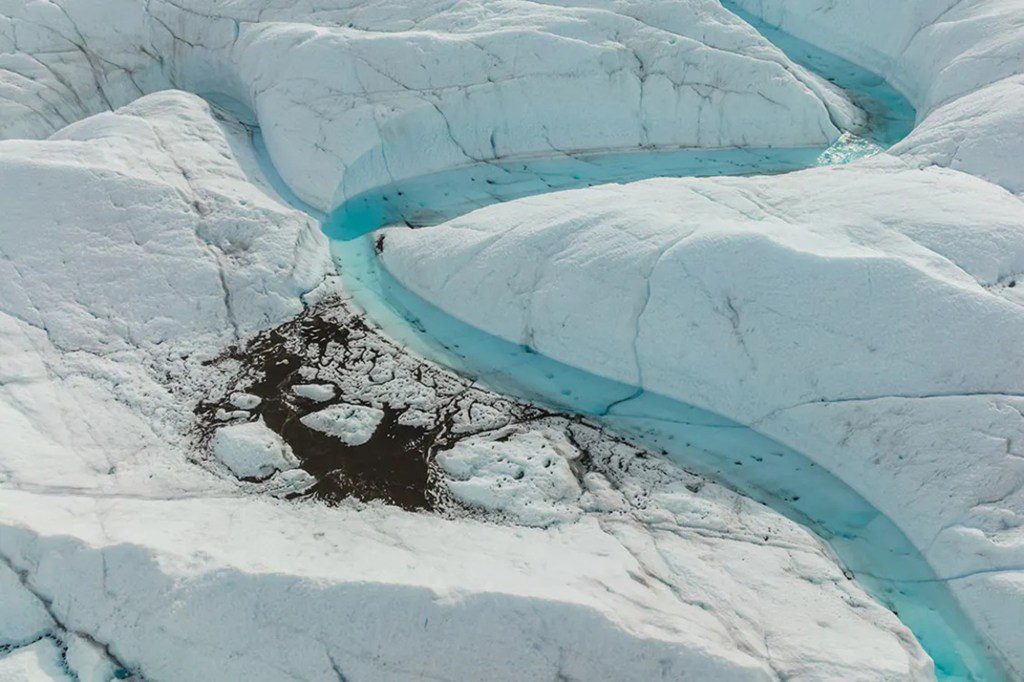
(162,268)
(840,311)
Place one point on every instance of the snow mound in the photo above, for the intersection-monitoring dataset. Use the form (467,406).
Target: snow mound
(351,424)
(159,185)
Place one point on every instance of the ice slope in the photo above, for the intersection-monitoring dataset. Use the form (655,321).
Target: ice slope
(137,245)
(350,95)
(183,587)
(869,316)
(131,242)
(959,62)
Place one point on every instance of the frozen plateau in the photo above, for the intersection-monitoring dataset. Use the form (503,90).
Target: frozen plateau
(511,340)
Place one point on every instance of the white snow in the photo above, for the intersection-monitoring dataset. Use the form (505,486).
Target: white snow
(251,450)
(351,424)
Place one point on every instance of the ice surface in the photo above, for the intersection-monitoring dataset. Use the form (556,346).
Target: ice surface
(775,309)
(25,620)
(97,401)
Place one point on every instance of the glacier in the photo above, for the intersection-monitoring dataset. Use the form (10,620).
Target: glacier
(238,443)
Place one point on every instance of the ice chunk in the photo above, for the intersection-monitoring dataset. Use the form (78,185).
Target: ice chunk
(351,424)
(317,392)
(39,662)
(251,450)
(526,476)
(245,401)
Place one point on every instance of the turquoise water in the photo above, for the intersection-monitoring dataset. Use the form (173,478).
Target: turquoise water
(871,547)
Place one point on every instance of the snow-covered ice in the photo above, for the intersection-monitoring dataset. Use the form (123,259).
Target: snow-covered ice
(528,476)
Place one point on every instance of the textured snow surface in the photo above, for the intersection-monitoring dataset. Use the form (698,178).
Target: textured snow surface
(866,315)
(300,584)
(528,476)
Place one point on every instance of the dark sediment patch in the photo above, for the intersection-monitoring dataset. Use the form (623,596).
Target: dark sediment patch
(392,466)
(425,409)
